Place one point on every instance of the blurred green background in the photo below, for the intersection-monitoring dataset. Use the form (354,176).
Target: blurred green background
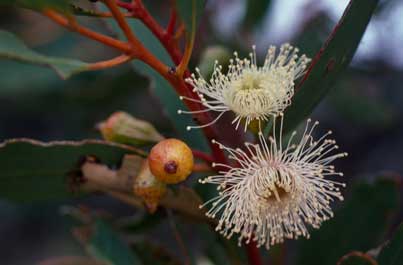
(363,109)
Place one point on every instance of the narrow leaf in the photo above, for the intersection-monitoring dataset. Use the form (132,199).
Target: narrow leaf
(331,61)
(13,48)
(34,171)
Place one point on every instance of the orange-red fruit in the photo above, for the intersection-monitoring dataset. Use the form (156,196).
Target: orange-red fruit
(171,161)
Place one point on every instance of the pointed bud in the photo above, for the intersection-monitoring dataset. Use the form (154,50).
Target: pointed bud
(171,161)
(123,128)
(149,188)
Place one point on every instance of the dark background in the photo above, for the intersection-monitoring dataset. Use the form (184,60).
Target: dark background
(363,109)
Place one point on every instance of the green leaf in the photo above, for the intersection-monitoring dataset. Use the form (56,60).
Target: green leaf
(105,245)
(187,9)
(356,258)
(34,171)
(60,5)
(392,253)
(255,11)
(330,62)
(12,47)
(358,225)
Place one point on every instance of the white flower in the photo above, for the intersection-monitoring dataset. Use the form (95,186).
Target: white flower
(274,193)
(250,91)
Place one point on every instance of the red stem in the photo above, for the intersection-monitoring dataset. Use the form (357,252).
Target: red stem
(171,24)
(127,6)
(139,11)
(253,254)
(203,156)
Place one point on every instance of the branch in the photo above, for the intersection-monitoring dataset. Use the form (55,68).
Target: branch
(119,17)
(167,39)
(110,63)
(127,6)
(119,184)
(61,20)
(170,30)
(201,167)
(190,38)
(203,156)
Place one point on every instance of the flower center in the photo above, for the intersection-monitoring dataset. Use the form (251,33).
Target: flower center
(277,194)
(246,95)
(273,184)
(250,80)
(257,94)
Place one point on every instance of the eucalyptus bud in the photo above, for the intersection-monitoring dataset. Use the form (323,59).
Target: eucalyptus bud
(123,128)
(149,188)
(171,161)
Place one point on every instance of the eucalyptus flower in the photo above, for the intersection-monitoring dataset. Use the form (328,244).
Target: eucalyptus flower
(275,192)
(250,91)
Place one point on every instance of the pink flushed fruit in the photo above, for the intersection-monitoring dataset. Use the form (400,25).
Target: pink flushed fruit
(171,161)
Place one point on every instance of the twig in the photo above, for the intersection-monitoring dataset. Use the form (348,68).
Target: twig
(139,11)
(126,198)
(111,4)
(127,6)
(61,20)
(202,167)
(110,63)
(203,156)
(190,38)
(172,22)
(178,237)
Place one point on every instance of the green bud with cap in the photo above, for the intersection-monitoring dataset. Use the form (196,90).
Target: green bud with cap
(123,128)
